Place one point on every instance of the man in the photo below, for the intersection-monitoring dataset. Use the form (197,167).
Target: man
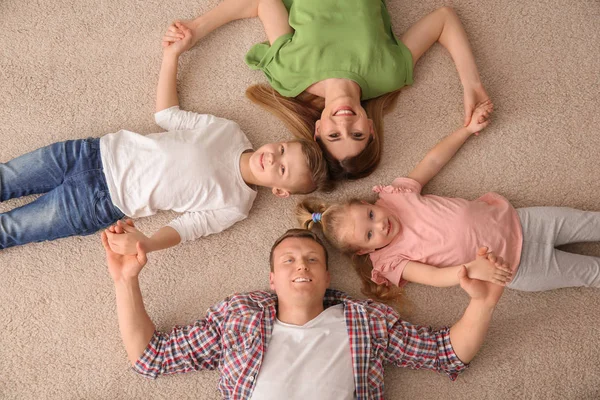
(304,341)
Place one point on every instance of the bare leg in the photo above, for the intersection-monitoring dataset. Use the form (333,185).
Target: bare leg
(443,26)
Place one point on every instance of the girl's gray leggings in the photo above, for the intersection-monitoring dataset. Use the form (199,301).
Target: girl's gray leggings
(543,267)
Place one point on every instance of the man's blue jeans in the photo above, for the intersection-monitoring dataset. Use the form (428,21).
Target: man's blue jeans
(76,199)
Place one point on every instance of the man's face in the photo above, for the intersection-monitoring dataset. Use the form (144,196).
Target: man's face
(300,272)
(281,166)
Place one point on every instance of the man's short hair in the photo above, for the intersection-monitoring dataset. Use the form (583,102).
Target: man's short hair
(302,234)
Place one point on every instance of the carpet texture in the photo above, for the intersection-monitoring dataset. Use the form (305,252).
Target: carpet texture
(74,69)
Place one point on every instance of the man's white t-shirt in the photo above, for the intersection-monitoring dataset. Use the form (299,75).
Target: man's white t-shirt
(312,361)
(193,168)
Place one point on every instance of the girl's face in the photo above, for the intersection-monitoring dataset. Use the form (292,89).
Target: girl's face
(369,227)
(344,128)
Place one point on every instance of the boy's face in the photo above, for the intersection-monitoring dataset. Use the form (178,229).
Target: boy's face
(281,166)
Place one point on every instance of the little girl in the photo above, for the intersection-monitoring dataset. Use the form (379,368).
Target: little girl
(407,236)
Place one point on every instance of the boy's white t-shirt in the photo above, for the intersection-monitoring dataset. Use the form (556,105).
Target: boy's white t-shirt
(312,361)
(194,169)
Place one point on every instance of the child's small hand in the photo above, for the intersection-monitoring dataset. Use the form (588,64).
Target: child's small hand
(172,35)
(489,267)
(120,266)
(480,119)
(177,39)
(474,96)
(123,238)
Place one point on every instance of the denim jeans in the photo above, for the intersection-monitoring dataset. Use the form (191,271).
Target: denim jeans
(76,199)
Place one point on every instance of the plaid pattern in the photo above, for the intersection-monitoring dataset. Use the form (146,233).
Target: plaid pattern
(235,334)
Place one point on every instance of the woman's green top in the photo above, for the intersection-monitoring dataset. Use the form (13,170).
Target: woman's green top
(350,39)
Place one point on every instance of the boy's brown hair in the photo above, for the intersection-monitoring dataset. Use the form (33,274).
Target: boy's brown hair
(318,168)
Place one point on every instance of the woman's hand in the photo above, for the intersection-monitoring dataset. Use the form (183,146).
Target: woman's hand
(480,118)
(177,40)
(475,96)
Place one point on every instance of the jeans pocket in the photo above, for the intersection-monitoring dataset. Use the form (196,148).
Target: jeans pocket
(104,211)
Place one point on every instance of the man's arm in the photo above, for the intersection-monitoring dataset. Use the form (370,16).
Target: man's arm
(468,333)
(442,153)
(134,323)
(152,353)
(445,350)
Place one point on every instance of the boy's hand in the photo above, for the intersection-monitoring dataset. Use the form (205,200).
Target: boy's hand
(123,238)
(489,267)
(480,119)
(177,39)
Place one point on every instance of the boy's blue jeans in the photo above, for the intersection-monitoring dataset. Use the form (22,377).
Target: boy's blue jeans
(76,199)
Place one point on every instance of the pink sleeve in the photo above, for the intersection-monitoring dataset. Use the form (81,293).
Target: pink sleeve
(390,272)
(400,185)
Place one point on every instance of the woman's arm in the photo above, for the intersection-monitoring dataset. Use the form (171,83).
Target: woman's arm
(444,26)
(272,13)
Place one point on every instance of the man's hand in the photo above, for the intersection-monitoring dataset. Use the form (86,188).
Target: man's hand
(123,238)
(177,40)
(484,269)
(485,292)
(123,267)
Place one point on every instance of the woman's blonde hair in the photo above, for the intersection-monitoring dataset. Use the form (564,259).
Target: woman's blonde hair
(301,113)
(330,220)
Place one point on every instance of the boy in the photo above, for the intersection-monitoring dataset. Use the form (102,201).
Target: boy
(203,167)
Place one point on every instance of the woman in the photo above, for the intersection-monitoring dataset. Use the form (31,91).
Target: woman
(335,69)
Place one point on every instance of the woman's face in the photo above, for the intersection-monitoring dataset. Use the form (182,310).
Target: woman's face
(344,128)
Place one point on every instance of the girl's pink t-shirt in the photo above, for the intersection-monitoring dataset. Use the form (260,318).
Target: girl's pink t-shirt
(443,231)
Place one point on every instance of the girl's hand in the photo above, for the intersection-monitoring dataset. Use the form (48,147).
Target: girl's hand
(485,292)
(474,96)
(177,40)
(123,238)
(489,267)
(480,119)
(123,267)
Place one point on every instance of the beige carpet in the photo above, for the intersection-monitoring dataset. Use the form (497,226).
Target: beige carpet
(73,69)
